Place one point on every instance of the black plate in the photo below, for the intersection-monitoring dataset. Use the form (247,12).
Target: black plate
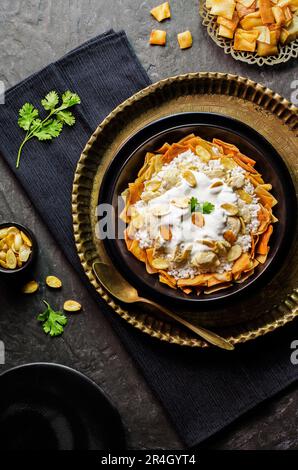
(128,161)
(50,406)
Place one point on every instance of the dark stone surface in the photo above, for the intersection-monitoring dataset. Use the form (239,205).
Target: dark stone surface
(32,34)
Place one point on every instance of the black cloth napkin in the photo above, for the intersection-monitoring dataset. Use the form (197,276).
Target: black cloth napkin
(202,390)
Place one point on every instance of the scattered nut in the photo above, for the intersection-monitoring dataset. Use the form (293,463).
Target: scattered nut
(72,306)
(53,282)
(30,288)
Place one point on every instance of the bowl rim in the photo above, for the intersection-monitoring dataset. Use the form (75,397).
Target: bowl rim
(33,239)
(272,266)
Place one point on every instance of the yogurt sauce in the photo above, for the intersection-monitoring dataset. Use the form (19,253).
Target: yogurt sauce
(183,230)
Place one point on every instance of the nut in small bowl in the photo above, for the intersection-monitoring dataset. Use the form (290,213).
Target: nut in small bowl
(18,249)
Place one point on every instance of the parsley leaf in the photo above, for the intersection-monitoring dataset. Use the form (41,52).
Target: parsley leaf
(193,204)
(70,99)
(208,207)
(51,101)
(53,322)
(66,117)
(204,207)
(50,127)
(27,114)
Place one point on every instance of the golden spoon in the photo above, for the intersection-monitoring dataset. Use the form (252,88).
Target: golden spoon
(119,288)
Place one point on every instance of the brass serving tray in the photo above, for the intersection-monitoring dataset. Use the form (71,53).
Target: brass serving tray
(240,98)
(286,51)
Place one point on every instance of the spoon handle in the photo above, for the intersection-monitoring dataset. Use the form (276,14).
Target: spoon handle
(209,336)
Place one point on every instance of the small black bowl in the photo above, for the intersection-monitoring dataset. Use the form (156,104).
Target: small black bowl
(130,158)
(20,273)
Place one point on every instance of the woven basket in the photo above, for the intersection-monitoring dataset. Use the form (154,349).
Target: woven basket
(286,52)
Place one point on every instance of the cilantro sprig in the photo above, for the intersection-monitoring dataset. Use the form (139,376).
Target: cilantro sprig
(203,207)
(50,127)
(52,322)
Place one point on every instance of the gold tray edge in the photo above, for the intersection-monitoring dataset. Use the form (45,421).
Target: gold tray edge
(289,314)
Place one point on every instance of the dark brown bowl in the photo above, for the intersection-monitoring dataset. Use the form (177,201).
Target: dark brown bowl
(20,273)
(128,161)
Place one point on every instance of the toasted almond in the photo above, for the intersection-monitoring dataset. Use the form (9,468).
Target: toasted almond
(148,195)
(182,202)
(244,196)
(234,224)
(3,233)
(160,210)
(274,219)
(160,263)
(3,263)
(229,236)
(18,242)
(203,153)
(198,219)
(30,287)
(24,253)
(190,178)
(204,259)
(12,230)
(26,239)
(166,232)
(53,282)
(216,184)
(180,256)
(152,185)
(3,244)
(243,226)
(210,243)
(261,258)
(11,259)
(234,253)
(230,208)
(72,306)
(228,163)
(10,240)
(138,221)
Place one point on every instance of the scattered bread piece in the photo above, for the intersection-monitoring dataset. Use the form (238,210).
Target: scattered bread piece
(158,37)
(161,12)
(185,39)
